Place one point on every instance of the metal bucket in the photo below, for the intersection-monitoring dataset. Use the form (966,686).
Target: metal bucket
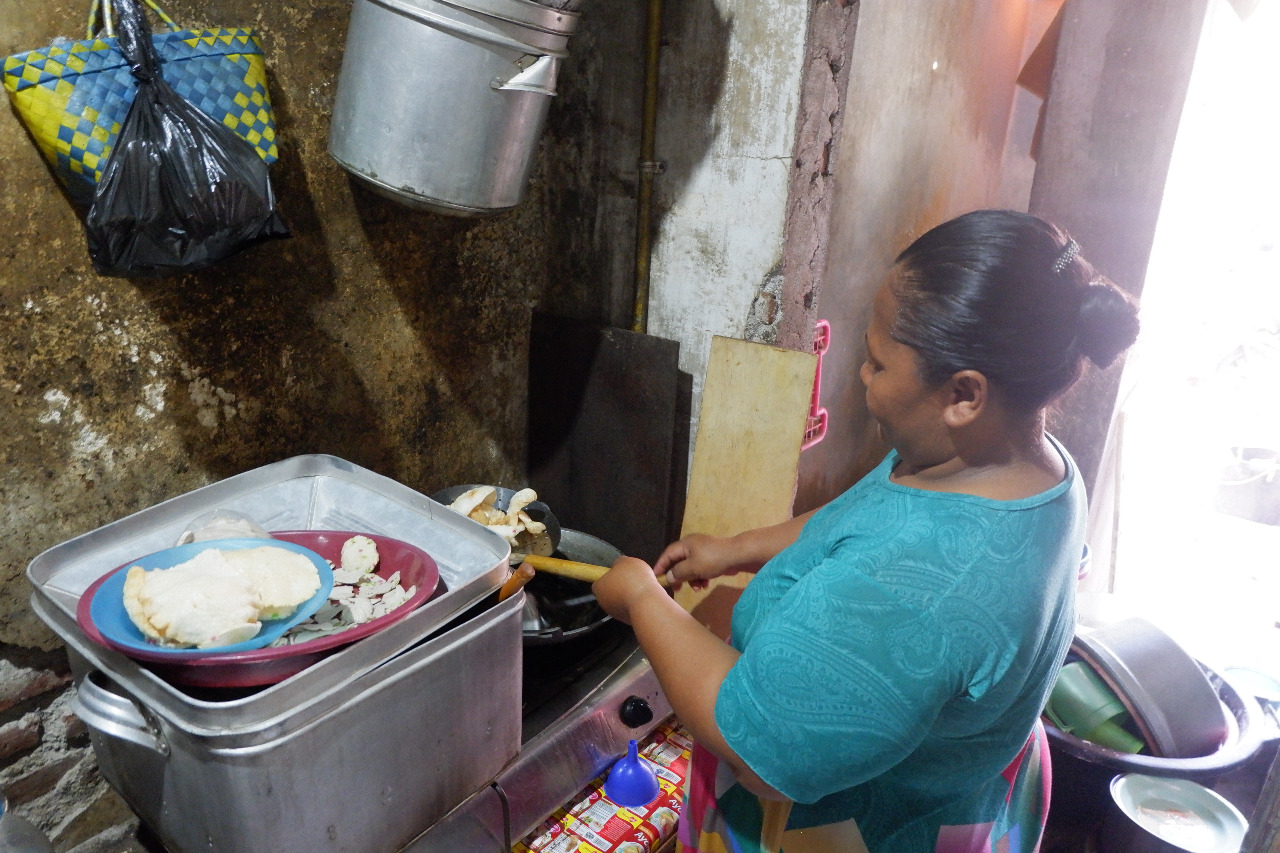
(441,102)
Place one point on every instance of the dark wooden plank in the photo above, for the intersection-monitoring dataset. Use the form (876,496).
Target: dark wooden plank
(604,453)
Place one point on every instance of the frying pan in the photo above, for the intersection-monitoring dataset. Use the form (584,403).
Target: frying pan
(537,510)
(556,608)
(559,608)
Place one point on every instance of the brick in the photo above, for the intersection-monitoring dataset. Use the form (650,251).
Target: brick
(103,812)
(74,727)
(19,683)
(20,734)
(39,781)
(117,839)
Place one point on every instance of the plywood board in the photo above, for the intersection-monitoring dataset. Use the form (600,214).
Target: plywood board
(755,406)
(604,410)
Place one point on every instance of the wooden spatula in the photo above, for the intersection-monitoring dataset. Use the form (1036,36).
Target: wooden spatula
(571,569)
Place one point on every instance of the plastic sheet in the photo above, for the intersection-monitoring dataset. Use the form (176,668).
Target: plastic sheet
(180,191)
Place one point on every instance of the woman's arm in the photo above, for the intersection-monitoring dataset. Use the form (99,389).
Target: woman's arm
(699,557)
(689,661)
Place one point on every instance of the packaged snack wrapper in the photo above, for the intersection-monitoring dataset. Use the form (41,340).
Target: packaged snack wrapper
(592,823)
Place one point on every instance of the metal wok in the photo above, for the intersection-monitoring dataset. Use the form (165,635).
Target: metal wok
(556,609)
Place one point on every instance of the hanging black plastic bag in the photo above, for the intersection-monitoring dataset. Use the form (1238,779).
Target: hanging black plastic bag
(180,191)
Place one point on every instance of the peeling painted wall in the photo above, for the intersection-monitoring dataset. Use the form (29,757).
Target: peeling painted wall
(731,83)
(819,127)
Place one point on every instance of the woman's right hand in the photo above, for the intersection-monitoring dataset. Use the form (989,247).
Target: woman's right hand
(696,559)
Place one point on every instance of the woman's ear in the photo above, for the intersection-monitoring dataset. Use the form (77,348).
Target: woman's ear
(967,395)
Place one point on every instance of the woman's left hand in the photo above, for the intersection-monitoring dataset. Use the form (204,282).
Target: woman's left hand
(622,586)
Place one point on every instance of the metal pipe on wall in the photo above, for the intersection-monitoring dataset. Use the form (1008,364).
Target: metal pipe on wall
(648,166)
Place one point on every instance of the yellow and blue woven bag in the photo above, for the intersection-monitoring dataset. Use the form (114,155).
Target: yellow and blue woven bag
(73,96)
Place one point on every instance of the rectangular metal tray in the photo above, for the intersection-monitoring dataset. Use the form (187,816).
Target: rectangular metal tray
(405,743)
(313,492)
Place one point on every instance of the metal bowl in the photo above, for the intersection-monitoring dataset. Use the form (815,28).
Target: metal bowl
(1165,691)
(1149,814)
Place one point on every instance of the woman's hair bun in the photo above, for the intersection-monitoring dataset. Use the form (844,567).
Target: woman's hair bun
(1108,322)
(1012,296)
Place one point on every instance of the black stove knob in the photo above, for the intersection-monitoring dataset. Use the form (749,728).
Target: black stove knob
(635,712)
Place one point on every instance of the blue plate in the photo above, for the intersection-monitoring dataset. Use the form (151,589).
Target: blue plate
(106,609)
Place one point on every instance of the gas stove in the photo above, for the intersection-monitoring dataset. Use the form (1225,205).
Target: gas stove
(582,701)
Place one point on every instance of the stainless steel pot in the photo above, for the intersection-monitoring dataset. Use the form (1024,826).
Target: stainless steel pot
(388,755)
(360,751)
(313,492)
(440,103)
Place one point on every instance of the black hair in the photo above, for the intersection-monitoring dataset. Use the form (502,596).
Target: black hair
(1009,295)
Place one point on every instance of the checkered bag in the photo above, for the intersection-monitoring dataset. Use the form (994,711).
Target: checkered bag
(73,95)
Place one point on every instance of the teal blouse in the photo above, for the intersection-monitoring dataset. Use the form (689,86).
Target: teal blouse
(895,658)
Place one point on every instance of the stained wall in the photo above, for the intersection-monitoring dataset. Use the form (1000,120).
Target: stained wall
(927,114)
(393,338)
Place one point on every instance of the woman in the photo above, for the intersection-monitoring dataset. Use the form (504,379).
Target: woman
(893,653)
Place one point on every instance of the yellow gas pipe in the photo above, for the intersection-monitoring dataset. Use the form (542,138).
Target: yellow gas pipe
(648,166)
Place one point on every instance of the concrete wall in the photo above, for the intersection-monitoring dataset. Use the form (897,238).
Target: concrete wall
(927,114)
(731,82)
(1119,84)
(936,125)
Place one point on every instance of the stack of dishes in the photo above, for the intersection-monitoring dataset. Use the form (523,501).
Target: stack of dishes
(101,612)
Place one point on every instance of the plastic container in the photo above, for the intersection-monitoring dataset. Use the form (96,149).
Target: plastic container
(1084,706)
(19,835)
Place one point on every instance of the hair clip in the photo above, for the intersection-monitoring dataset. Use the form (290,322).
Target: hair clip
(1068,255)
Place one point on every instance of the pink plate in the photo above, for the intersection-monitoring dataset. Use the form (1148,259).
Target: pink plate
(258,667)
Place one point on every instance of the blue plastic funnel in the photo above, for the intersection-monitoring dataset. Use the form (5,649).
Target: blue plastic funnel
(632,781)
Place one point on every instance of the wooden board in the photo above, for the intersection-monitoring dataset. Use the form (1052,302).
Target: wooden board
(755,406)
(605,436)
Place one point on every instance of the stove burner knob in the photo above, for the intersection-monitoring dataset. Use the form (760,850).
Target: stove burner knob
(635,712)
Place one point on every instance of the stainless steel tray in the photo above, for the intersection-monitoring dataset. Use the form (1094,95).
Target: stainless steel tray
(314,492)
(389,753)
